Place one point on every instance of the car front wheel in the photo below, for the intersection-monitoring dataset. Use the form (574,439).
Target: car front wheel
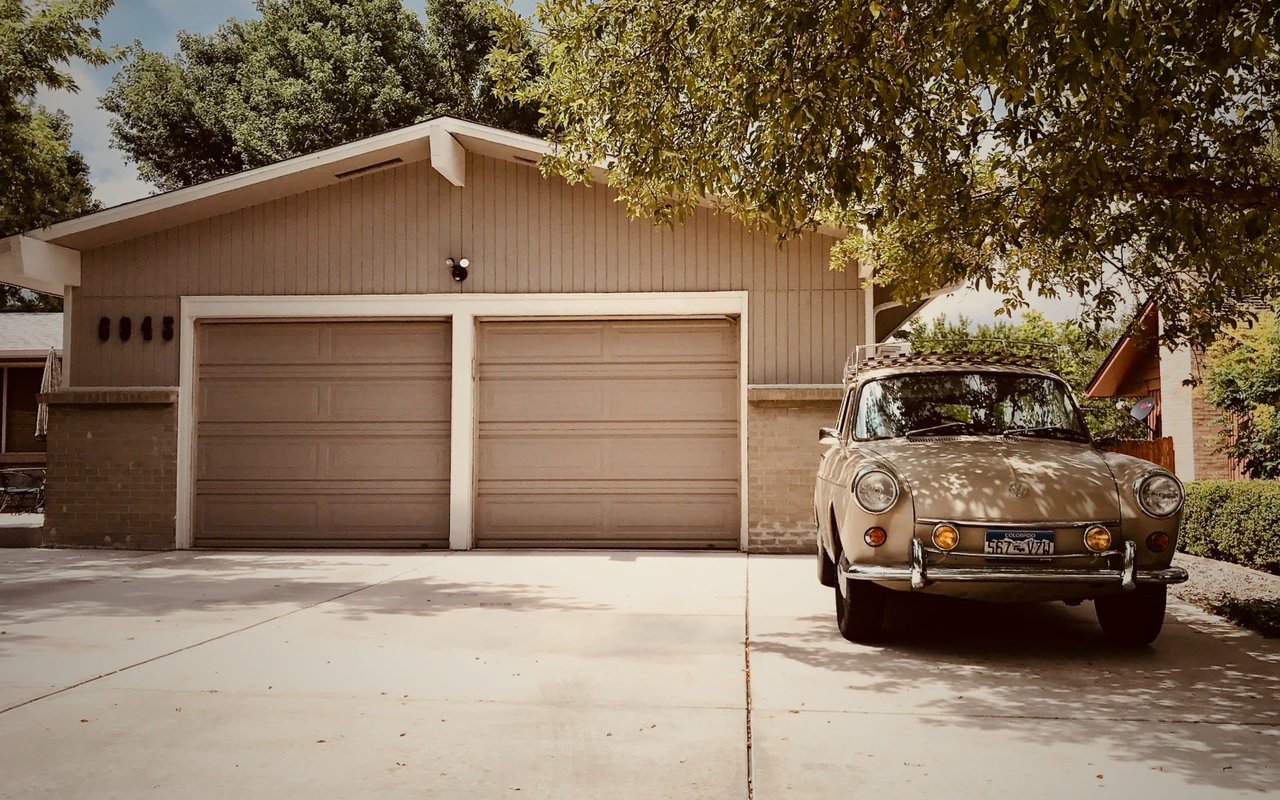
(826,568)
(1134,618)
(859,607)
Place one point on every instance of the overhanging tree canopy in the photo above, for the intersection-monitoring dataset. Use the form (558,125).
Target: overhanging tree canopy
(42,179)
(1100,148)
(307,75)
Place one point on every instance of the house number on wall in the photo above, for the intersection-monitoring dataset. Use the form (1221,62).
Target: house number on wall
(125,329)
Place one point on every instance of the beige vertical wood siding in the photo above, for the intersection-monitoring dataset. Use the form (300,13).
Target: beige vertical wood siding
(390,233)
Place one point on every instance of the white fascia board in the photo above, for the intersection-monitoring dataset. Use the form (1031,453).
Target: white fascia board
(430,130)
(233,183)
(516,142)
(39,266)
(478,304)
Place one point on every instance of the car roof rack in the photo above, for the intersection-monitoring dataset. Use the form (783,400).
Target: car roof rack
(977,351)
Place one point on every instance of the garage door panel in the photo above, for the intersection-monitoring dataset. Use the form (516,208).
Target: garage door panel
(673,341)
(323,433)
(572,519)
(256,459)
(608,434)
(618,401)
(284,520)
(231,400)
(367,459)
(586,457)
(399,400)
(350,342)
(322,399)
(247,343)
(525,342)
(242,516)
(676,342)
(320,458)
(357,343)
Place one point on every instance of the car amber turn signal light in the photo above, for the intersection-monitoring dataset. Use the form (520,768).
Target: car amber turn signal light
(946,537)
(875,536)
(1097,538)
(1158,542)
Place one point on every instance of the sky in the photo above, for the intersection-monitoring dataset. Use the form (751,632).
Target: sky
(156,23)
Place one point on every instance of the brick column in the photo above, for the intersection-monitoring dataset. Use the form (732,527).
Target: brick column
(782,464)
(112,473)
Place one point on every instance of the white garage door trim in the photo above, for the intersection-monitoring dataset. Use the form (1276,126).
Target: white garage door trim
(462,310)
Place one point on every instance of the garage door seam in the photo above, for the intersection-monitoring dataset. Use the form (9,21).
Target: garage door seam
(211,639)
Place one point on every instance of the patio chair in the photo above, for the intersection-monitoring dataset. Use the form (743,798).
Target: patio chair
(22,490)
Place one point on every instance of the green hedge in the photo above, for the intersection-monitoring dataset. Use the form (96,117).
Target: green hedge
(1235,521)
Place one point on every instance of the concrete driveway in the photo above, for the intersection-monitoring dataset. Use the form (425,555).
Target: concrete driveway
(589,675)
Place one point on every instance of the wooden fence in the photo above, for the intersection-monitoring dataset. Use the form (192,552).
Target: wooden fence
(1159,451)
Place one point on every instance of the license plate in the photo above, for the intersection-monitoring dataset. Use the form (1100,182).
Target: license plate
(1019,543)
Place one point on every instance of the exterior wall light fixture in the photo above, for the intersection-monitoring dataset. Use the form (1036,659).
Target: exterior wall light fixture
(458,269)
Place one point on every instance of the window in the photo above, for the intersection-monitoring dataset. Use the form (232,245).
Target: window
(968,403)
(20,387)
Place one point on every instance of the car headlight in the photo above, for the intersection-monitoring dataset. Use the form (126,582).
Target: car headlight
(1159,494)
(875,491)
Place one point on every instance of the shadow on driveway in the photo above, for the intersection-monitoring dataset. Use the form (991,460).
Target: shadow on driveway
(1204,705)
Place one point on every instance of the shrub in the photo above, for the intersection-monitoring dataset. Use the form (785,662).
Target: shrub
(1236,521)
(1242,378)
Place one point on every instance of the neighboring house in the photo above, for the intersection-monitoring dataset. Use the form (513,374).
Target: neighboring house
(1139,367)
(25,341)
(293,356)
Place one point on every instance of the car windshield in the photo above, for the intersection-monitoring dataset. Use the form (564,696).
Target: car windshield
(969,403)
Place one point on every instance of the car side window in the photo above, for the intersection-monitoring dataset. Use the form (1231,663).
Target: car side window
(842,422)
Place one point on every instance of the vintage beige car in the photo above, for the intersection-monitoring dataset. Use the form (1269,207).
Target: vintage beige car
(974,476)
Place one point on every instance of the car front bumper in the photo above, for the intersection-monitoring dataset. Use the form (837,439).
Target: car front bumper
(920,573)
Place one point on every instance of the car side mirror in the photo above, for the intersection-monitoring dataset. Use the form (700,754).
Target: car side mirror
(828,436)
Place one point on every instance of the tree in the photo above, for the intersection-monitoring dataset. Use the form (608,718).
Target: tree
(460,37)
(1241,376)
(1074,354)
(1103,149)
(42,179)
(307,75)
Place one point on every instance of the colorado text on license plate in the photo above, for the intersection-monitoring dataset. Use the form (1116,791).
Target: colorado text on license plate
(1019,543)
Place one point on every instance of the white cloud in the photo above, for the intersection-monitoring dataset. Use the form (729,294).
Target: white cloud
(115,180)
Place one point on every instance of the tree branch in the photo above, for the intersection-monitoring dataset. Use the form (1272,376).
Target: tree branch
(1194,188)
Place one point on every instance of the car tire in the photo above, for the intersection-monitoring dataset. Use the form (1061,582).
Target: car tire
(859,607)
(1132,619)
(826,567)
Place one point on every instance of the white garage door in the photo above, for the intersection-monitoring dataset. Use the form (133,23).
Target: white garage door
(608,434)
(322,434)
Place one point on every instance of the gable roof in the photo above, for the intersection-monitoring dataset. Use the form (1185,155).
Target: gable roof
(1139,342)
(441,140)
(29,333)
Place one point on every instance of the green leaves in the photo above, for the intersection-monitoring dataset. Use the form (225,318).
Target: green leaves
(42,179)
(1241,376)
(1113,149)
(309,74)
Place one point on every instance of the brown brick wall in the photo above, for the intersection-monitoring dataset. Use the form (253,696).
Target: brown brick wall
(1209,463)
(782,461)
(112,472)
